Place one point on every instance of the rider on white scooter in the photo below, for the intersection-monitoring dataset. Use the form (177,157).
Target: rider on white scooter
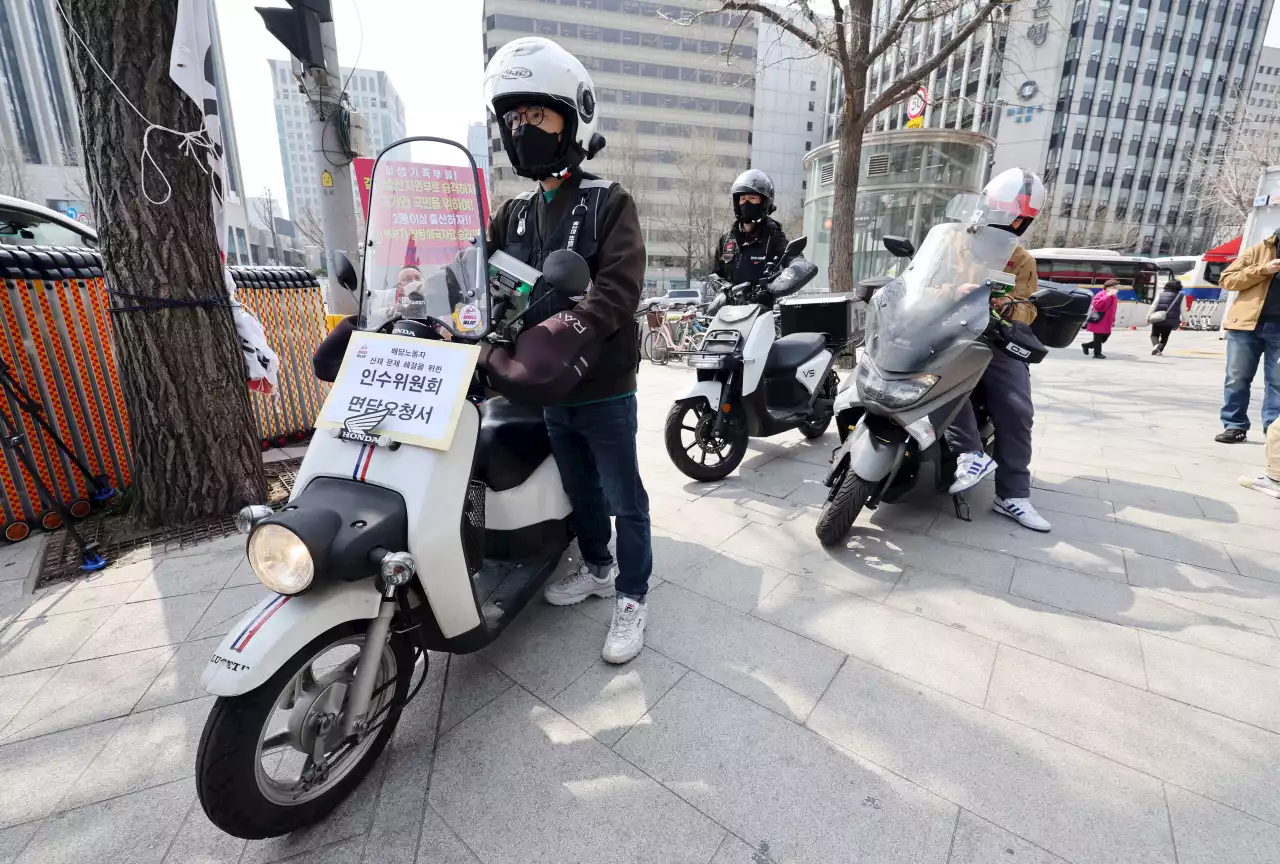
(1007,382)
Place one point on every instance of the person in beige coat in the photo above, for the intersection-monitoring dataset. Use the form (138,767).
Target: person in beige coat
(1253,332)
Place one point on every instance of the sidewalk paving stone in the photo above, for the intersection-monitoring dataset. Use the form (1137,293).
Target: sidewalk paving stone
(1215,627)
(780,787)
(1063,799)
(1222,759)
(516,776)
(1075,640)
(769,665)
(977,841)
(1209,833)
(1220,683)
(39,643)
(938,655)
(607,700)
(132,829)
(1216,587)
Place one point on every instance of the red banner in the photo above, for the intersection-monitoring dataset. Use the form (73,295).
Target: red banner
(426,211)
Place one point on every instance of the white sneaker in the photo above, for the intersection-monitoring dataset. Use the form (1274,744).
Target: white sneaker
(579,585)
(970,469)
(626,632)
(1263,484)
(1021,510)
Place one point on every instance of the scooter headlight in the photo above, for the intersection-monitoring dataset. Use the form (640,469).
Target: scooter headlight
(893,394)
(280,559)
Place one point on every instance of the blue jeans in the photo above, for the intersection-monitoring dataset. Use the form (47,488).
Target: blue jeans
(595,450)
(1244,349)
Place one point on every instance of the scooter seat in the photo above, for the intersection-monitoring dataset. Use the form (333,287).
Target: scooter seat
(789,352)
(513,443)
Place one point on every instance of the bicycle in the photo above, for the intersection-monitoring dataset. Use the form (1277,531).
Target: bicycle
(662,342)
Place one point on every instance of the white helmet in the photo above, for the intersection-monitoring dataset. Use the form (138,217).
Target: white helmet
(536,71)
(1013,193)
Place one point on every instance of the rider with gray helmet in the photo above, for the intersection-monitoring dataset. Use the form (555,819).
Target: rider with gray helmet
(744,253)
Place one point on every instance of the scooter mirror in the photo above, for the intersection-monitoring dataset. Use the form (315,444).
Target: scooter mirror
(899,247)
(346,274)
(795,247)
(566,272)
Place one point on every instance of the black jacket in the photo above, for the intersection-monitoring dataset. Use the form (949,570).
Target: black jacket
(1166,303)
(591,354)
(744,257)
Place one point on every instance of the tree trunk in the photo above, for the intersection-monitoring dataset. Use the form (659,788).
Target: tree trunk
(845,201)
(191,429)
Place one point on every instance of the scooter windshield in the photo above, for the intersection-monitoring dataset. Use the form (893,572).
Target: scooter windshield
(941,298)
(424,253)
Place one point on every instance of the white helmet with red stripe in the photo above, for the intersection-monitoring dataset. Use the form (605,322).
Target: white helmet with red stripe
(1014,193)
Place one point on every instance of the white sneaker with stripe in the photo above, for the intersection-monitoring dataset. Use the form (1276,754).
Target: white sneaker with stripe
(1021,510)
(970,469)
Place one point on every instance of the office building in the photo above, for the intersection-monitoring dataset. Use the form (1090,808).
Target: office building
(913,162)
(1120,105)
(790,88)
(677,117)
(478,145)
(40,154)
(369,92)
(1258,115)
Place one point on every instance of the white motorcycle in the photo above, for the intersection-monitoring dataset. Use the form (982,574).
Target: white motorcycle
(386,549)
(751,384)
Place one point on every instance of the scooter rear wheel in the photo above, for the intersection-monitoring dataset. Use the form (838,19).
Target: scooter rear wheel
(244,761)
(696,421)
(842,508)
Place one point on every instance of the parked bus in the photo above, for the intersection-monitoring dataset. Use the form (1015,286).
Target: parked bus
(1091,268)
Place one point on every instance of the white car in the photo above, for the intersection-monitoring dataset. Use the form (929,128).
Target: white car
(674,297)
(23,223)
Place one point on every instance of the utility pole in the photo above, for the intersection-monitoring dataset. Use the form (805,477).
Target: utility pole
(306,29)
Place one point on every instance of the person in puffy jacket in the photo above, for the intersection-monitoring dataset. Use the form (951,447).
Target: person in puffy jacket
(1170,303)
(1105,304)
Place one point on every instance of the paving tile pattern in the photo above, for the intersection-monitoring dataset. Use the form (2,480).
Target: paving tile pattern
(933,691)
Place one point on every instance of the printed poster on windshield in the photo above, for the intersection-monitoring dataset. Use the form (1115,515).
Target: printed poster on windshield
(433,210)
(408,390)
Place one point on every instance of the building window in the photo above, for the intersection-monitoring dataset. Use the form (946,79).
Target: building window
(810,106)
(813,85)
(809,126)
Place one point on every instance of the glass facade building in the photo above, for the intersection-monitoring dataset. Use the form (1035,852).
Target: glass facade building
(908,171)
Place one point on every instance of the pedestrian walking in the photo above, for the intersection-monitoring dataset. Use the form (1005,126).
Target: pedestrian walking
(1102,318)
(1253,331)
(1165,315)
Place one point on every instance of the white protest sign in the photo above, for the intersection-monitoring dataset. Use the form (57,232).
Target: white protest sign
(409,390)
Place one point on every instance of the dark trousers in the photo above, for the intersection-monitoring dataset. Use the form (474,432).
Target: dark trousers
(595,450)
(1007,386)
(1096,344)
(1160,336)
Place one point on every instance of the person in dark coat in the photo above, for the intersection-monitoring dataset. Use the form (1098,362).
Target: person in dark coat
(1170,303)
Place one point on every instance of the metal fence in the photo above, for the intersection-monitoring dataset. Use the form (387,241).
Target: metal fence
(56,340)
(290,304)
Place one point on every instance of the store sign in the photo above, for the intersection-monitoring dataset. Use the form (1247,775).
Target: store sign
(915,108)
(1023,113)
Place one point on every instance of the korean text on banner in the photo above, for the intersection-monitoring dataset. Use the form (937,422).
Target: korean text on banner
(423,196)
(410,390)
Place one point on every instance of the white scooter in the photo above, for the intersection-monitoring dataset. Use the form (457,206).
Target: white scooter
(751,384)
(386,549)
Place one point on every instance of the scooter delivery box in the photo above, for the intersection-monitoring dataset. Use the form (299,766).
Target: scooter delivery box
(1061,311)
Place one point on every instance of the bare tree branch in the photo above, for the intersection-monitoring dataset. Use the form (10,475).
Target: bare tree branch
(764,11)
(911,79)
(890,36)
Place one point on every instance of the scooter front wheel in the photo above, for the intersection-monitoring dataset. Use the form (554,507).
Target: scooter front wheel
(273,760)
(842,508)
(696,448)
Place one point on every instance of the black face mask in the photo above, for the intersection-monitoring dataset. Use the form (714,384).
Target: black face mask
(750,211)
(534,147)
